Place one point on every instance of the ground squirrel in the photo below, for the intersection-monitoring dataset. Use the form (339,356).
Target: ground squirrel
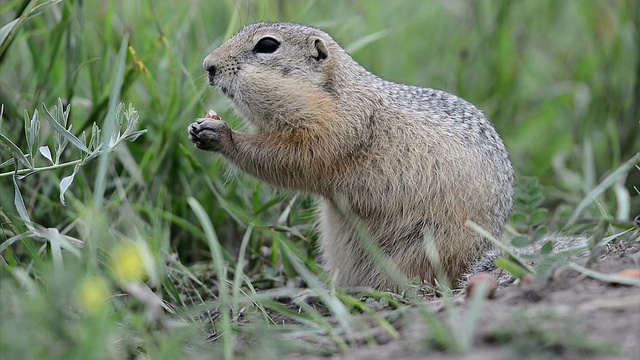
(411,164)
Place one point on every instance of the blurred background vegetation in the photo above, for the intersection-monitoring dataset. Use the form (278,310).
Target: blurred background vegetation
(560,80)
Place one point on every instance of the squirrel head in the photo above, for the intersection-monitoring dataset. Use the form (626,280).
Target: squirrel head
(276,74)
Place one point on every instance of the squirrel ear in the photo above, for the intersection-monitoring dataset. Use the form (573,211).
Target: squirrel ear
(319,49)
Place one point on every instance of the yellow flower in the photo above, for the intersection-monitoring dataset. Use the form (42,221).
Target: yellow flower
(128,263)
(92,294)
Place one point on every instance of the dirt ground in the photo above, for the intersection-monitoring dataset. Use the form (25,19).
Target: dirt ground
(571,317)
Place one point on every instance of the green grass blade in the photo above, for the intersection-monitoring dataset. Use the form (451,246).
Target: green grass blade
(336,307)
(218,258)
(239,269)
(110,123)
(600,188)
(512,268)
(9,31)
(604,277)
(366,40)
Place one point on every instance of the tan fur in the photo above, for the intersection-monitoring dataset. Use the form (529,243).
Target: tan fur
(411,164)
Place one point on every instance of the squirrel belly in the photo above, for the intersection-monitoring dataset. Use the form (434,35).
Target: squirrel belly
(404,165)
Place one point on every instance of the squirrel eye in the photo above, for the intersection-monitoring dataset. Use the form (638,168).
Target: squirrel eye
(266,45)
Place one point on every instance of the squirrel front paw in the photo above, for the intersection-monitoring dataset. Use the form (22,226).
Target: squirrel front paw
(208,134)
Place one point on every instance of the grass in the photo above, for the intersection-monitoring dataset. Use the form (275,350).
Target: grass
(218,254)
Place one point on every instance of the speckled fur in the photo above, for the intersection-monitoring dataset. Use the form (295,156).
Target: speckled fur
(412,164)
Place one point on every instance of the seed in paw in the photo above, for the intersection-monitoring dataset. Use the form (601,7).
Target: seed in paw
(212,115)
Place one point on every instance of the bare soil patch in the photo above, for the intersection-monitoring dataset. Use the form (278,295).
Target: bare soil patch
(571,317)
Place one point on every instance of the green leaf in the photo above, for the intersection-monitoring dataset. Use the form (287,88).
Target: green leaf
(521,204)
(35,133)
(31,128)
(520,241)
(534,202)
(519,219)
(547,248)
(528,194)
(19,203)
(6,30)
(64,132)
(9,31)
(134,135)
(547,265)
(513,257)
(92,156)
(66,182)
(538,216)
(83,138)
(540,233)
(511,267)
(15,151)
(46,153)
(6,163)
(94,142)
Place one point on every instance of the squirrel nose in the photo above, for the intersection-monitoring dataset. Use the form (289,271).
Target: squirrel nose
(211,69)
(208,66)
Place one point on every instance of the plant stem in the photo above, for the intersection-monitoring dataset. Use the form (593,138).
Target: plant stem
(44,168)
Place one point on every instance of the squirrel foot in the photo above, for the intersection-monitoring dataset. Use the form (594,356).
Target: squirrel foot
(208,134)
